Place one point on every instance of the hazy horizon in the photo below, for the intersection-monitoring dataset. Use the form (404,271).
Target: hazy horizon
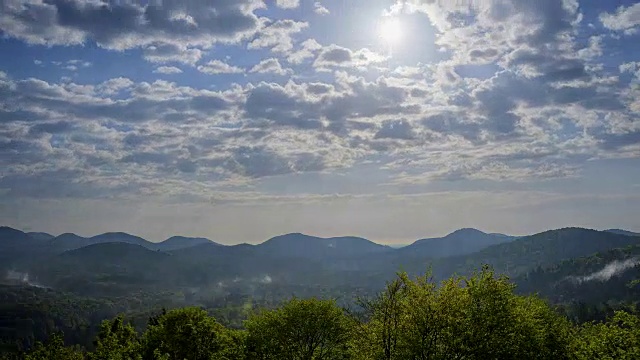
(391,120)
(392,242)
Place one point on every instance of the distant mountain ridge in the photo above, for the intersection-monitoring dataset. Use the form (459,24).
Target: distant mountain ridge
(99,264)
(460,242)
(542,249)
(40,235)
(623,232)
(301,245)
(181,242)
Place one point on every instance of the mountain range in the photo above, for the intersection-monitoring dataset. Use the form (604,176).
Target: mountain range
(116,260)
(460,242)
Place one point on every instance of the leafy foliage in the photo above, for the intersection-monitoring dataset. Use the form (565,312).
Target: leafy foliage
(301,329)
(54,349)
(619,338)
(190,333)
(479,317)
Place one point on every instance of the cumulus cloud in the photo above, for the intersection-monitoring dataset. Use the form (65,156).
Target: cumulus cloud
(167,70)
(288,4)
(625,19)
(277,35)
(126,25)
(308,49)
(333,56)
(215,67)
(272,66)
(510,92)
(319,9)
(162,52)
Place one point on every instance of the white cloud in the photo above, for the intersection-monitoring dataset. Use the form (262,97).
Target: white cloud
(535,104)
(319,9)
(272,66)
(632,67)
(288,4)
(160,52)
(167,70)
(277,36)
(113,86)
(128,25)
(307,50)
(625,19)
(334,56)
(214,67)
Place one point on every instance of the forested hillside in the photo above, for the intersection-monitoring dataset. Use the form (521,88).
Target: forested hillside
(478,317)
(582,274)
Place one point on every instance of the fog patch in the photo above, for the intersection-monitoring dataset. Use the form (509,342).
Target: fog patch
(17,277)
(612,269)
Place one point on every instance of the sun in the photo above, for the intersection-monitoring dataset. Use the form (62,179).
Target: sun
(390,30)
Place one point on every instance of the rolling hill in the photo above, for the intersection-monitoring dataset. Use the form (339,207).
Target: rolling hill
(599,278)
(181,242)
(623,232)
(459,242)
(105,268)
(529,252)
(305,246)
(40,236)
(125,261)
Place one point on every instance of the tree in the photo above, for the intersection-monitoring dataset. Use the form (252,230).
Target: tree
(378,338)
(54,349)
(310,329)
(190,333)
(618,338)
(116,341)
(475,318)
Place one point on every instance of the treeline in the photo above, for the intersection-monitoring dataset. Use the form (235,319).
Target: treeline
(479,317)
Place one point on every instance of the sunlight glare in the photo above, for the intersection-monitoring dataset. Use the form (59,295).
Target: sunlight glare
(391,30)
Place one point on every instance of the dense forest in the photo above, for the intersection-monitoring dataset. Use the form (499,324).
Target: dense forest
(116,296)
(478,317)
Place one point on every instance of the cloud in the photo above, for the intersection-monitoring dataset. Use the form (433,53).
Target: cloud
(336,56)
(277,35)
(127,25)
(517,97)
(625,19)
(319,9)
(69,65)
(632,67)
(113,86)
(51,128)
(167,70)
(395,129)
(272,66)
(161,52)
(288,4)
(488,170)
(308,49)
(282,105)
(215,67)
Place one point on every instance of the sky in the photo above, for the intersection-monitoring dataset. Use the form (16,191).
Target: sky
(394,120)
